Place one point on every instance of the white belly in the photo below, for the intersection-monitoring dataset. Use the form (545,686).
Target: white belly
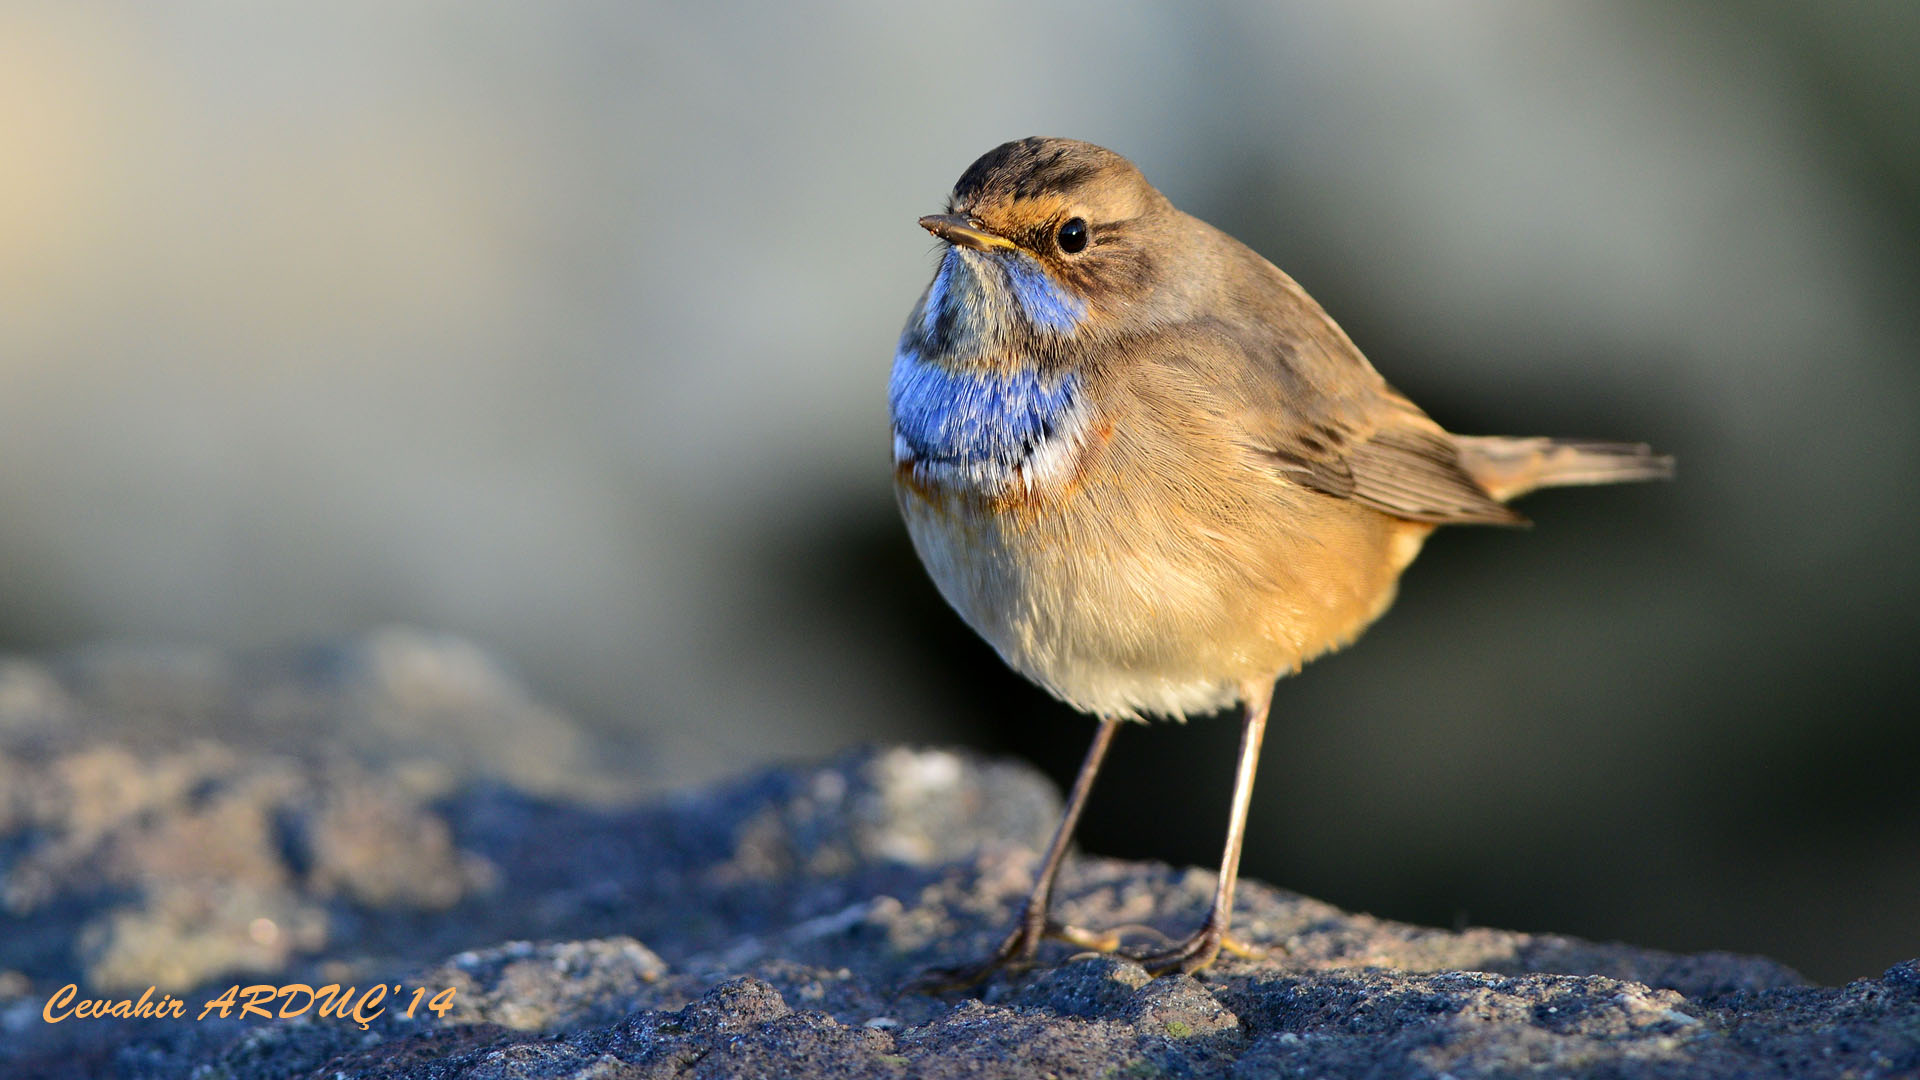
(1098,623)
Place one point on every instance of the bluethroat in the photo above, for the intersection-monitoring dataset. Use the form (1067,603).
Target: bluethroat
(1152,472)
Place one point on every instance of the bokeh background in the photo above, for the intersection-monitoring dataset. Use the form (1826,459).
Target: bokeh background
(565,327)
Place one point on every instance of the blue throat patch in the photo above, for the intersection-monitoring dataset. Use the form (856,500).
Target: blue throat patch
(1047,305)
(985,419)
(950,408)
(967,292)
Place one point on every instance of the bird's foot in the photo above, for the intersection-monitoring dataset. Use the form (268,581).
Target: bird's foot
(1198,951)
(1246,950)
(1014,954)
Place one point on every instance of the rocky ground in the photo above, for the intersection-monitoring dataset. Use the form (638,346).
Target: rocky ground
(397,812)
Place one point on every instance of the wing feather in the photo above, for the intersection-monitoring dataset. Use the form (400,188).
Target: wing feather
(1303,396)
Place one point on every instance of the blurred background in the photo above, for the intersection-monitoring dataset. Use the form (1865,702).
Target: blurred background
(566,327)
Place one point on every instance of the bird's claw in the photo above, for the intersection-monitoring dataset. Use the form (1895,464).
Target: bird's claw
(1016,953)
(1197,952)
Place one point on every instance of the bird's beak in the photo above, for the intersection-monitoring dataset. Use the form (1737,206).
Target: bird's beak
(964,231)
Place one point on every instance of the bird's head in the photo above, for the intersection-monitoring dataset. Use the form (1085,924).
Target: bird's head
(1046,239)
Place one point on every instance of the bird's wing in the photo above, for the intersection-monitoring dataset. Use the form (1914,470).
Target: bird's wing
(1302,396)
(1369,454)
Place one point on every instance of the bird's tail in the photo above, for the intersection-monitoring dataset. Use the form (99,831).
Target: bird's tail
(1509,467)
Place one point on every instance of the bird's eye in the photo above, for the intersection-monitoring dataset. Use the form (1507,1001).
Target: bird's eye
(1073,236)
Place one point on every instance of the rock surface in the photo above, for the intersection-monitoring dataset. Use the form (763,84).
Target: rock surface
(395,811)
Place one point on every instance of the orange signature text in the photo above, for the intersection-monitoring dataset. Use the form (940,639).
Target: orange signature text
(331,1002)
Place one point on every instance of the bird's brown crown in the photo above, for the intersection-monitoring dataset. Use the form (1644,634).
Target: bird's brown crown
(1026,190)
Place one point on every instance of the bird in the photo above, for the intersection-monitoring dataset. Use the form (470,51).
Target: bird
(1157,477)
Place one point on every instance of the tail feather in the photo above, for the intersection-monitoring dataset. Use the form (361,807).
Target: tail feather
(1509,467)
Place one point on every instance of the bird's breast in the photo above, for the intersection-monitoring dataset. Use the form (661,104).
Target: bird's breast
(985,432)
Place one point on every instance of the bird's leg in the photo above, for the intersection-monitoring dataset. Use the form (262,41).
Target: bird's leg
(1033,925)
(1204,946)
